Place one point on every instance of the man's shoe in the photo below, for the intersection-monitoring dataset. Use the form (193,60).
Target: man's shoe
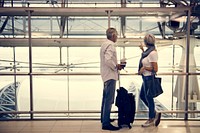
(110,127)
(157,119)
(112,120)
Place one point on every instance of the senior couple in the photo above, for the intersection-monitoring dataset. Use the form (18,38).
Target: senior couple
(109,69)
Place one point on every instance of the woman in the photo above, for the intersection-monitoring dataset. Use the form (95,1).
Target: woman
(148,64)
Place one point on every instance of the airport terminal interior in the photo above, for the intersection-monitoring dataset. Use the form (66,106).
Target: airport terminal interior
(50,63)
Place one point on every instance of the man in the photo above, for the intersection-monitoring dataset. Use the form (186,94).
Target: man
(109,73)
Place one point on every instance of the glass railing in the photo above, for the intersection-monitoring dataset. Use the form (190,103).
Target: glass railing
(75,90)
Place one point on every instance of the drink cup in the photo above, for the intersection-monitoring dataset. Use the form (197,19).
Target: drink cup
(123,62)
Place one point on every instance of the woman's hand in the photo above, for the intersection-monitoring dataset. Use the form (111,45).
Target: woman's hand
(141,47)
(141,70)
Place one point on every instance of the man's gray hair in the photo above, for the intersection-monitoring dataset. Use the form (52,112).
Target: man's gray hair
(110,32)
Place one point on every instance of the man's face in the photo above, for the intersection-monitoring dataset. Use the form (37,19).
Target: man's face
(115,36)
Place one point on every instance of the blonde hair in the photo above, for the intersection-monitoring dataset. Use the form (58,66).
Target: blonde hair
(149,39)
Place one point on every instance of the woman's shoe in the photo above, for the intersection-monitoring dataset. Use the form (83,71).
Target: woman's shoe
(148,123)
(157,119)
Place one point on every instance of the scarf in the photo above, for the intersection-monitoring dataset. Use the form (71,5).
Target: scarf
(145,54)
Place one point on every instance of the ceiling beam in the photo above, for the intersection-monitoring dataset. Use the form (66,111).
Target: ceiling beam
(91,11)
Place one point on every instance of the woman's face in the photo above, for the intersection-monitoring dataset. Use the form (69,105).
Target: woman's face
(145,44)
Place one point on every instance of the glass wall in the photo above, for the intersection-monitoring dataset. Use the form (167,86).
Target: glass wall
(65,82)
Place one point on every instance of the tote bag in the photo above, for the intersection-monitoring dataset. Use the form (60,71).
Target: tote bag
(155,88)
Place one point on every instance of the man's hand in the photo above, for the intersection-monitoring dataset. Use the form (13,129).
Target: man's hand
(119,67)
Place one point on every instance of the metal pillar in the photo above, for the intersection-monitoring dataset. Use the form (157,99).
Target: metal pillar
(68,91)
(109,12)
(15,79)
(30,62)
(187,64)
(60,50)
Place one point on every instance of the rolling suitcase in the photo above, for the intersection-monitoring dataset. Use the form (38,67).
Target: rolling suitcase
(126,107)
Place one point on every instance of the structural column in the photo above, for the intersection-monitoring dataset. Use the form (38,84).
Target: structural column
(30,62)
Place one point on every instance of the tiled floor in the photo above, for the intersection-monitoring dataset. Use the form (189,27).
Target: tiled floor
(94,126)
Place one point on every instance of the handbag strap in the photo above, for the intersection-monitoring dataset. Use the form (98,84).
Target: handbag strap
(153,73)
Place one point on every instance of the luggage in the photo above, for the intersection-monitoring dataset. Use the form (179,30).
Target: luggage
(126,107)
